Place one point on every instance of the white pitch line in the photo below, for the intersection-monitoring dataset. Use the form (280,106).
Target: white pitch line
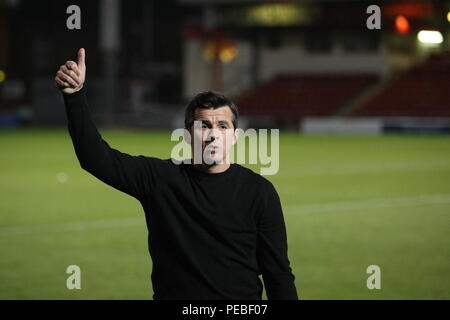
(368,169)
(296,209)
(73,226)
(369,204)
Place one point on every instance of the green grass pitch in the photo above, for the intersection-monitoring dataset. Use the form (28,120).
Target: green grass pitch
(349,202)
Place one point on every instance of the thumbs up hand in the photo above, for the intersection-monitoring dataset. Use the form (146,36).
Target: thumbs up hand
(70,76)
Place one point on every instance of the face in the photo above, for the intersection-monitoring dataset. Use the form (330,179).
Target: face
(213,130)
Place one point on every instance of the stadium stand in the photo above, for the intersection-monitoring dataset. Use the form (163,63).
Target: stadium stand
(288,98)
(422,91)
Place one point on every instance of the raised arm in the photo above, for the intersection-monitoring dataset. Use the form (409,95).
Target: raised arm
(130,174)
(272,249)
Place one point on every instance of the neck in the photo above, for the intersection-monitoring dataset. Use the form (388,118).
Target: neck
(214,168)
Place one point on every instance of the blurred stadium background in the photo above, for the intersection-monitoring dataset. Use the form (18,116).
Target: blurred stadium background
(364,148)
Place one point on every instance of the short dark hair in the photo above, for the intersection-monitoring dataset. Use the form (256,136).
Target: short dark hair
(209,100)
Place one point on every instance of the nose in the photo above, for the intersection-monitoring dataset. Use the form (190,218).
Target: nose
(213,134)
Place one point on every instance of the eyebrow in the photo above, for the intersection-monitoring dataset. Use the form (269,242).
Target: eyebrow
(219,122)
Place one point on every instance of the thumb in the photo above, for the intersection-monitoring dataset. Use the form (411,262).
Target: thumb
(81,58)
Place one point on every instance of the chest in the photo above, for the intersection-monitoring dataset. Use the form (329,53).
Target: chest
(227,204)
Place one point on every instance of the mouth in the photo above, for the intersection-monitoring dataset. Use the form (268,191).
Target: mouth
(212,147)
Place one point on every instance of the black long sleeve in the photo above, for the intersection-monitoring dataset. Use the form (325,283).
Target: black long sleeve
(210,236)
(122,171)
(272,249)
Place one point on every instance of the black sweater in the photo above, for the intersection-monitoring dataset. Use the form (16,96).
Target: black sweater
(210,235)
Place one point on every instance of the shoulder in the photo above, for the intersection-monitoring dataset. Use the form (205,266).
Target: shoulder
(168,163)
(265,195)
(160,167)
(263,184)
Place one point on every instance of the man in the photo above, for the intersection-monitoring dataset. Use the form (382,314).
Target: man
(214,227)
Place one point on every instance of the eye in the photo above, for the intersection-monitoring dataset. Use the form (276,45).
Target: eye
(204,126)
